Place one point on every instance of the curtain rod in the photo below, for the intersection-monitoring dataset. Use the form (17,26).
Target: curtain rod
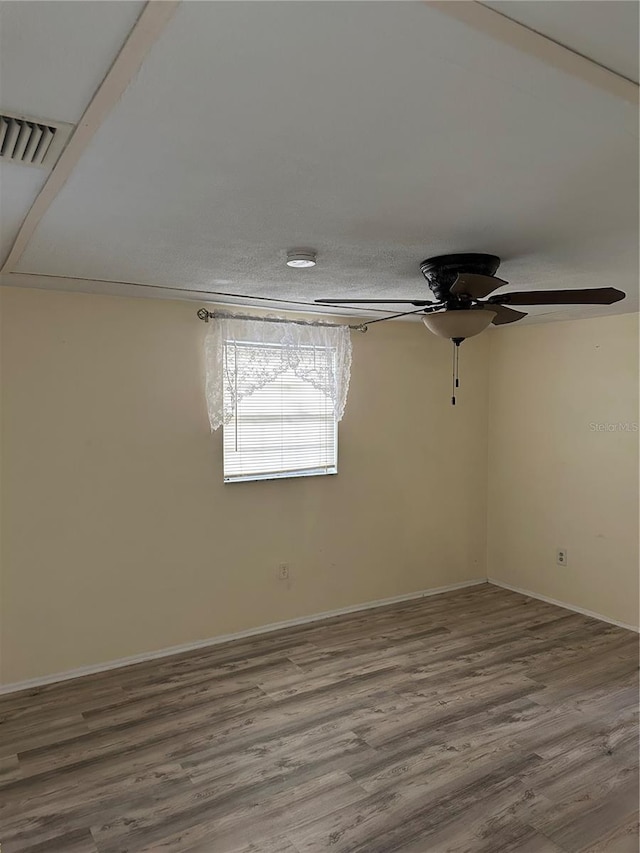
(205,315)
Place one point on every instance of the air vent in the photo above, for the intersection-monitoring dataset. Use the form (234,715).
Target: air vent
(32,142)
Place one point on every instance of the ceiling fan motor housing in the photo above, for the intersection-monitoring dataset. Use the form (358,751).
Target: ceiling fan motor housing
(441,272)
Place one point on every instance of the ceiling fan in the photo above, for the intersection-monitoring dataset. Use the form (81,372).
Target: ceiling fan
(462,285)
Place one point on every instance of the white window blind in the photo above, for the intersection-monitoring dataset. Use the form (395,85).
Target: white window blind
(285,428)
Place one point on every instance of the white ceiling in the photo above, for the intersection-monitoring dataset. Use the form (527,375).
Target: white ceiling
(53,56)
(377,133)
(605,32)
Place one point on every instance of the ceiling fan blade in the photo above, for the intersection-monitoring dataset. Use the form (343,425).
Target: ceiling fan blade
(375,301)
(587,296)
(505,315)
(475,285)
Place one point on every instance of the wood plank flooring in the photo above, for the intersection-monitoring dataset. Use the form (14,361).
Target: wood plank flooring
(479,721)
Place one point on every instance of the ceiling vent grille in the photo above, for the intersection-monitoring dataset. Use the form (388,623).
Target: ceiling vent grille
(32,142)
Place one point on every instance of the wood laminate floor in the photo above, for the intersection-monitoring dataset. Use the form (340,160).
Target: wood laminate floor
(478,720)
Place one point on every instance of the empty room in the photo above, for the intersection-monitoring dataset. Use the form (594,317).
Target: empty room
(319,426)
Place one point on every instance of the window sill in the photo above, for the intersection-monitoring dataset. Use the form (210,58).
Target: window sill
(286,475)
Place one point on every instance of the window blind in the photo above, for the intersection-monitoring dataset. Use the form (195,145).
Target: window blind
(287,427)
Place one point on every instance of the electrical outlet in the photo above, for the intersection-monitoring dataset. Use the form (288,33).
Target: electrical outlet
(283,572)
(561,557)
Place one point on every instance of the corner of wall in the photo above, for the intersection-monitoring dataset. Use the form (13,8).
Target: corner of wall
(563,463)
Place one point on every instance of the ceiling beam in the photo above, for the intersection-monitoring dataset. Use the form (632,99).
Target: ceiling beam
(145,32)
(516,35)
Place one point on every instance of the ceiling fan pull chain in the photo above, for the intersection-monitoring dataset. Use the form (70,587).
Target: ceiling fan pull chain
(454,378)
(455,381)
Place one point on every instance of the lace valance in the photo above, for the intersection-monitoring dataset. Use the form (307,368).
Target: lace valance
(242,356)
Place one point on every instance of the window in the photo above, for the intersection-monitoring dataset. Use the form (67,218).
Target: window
(287,426)
(279,388)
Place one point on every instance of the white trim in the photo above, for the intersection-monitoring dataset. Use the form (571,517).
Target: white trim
(564,604)
(65,284)
(225,638)
(545,49)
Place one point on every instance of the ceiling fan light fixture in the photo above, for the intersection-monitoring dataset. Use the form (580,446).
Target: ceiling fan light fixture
(301,258)
(459,324)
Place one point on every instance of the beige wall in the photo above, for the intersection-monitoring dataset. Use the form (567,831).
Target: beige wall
(555,480)
(119,535)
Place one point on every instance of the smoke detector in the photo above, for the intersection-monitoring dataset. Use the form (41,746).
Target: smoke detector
(301,258)
(29,141)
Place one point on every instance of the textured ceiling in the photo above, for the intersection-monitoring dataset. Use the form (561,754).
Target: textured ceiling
(605,32)
(53,56)
(18,188)
(376,133)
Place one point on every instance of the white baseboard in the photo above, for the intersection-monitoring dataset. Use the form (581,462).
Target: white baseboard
(31,683)
(564,604)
